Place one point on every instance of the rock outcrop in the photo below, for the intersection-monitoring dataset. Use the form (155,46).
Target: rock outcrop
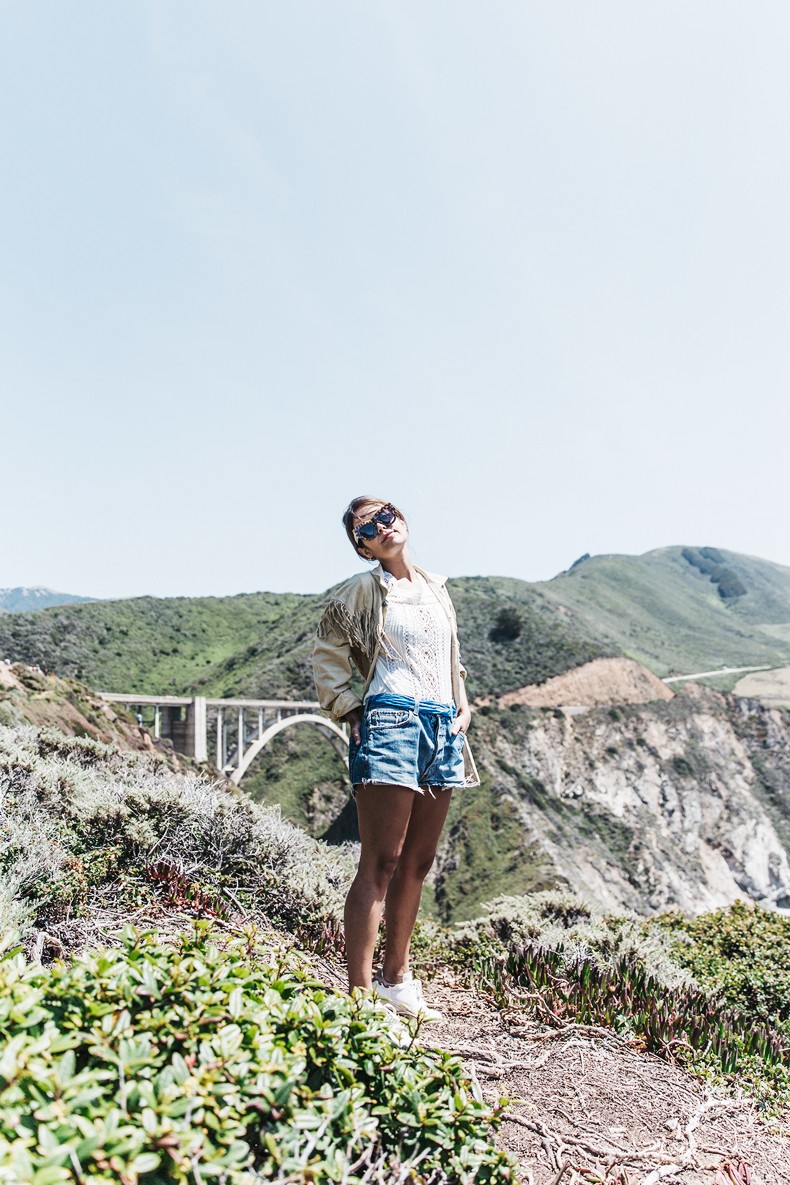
(30,696)
(681,804)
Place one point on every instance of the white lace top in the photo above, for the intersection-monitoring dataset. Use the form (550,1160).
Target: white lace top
(415,652)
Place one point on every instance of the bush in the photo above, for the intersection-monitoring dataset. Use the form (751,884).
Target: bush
(78,819)
(740,952)
(152,1065)
(710,562)
(507,626)
(560,921)
(730,585)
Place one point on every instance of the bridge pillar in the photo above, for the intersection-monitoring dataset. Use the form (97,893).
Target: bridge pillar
(178,724)
(220,740)
(196,740)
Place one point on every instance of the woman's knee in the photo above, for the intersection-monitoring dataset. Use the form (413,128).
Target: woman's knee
(417,865)
(379,869)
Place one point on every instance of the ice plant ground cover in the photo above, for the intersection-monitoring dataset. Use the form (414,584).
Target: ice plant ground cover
(201,1057)
(209,1061)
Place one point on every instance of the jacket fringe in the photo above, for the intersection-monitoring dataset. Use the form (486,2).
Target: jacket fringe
(361,629)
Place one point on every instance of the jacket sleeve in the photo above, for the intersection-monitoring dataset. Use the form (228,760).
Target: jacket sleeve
(454,620)
(332,670)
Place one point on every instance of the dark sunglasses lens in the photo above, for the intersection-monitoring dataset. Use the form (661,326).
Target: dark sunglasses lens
(370,530)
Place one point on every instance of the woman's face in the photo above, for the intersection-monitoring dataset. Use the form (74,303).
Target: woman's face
(389,540)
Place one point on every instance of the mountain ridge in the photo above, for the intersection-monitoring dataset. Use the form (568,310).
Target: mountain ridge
(32,598)
(661,610)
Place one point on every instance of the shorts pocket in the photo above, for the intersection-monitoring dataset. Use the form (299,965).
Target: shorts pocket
(387,717)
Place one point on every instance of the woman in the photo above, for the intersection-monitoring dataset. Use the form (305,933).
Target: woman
(395,625)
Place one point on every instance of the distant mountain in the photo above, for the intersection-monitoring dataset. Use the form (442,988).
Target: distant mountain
(27,600)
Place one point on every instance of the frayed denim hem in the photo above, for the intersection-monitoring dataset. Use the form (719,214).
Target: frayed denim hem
(421,790)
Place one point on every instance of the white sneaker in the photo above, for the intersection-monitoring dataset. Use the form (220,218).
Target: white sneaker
(406,997)
(398,1032)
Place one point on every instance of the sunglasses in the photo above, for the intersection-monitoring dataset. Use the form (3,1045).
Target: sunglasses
(369,530)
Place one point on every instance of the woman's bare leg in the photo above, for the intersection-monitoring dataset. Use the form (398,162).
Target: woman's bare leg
(405,887)
(383,813)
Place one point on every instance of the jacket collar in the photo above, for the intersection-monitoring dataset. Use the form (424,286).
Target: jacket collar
(431,577)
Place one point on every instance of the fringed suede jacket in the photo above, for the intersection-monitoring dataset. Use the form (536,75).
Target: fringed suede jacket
(349,635)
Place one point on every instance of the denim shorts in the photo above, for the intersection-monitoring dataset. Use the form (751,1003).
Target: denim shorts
(404,742)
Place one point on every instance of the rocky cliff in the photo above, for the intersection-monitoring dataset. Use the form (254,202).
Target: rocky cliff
(683,803)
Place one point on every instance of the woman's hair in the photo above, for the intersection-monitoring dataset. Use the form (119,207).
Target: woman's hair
(349,515)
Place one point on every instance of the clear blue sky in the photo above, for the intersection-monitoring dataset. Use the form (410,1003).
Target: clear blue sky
(522,268)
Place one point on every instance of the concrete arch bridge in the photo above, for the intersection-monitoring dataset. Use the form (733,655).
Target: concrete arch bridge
(233,731)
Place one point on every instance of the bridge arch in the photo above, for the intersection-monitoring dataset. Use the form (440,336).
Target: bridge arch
(267,735)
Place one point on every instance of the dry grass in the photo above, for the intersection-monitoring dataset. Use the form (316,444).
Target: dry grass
(69,804)
(772,687)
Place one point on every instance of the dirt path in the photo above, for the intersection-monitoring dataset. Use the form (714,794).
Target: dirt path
(584,1099)
(710,674)
(585,1107)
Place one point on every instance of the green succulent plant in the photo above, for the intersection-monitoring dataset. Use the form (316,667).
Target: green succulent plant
(146,1064)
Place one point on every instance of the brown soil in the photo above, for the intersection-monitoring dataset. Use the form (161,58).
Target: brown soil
(599,683)
(585,1100)
(586,1107)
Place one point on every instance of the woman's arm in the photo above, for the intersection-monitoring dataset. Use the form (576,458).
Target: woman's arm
(332,672)
(463,714)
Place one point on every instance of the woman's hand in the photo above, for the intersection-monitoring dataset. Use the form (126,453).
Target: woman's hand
(353,719)
(462,720)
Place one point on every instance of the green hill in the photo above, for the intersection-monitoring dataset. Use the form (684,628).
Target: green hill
(259,644)
(678,610)
(148,644)
(665,610)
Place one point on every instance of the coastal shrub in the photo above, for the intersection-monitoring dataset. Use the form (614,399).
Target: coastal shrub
(742,953)
(507,625)
(146,1064)
(730,584)
(556,920)
(710,562)
(78,819)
